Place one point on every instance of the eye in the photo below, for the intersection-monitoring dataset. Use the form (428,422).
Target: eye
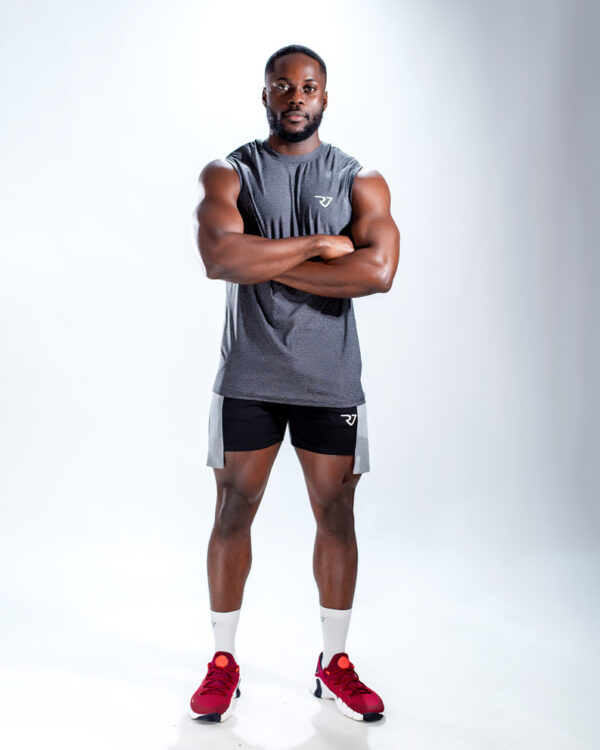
(311,88)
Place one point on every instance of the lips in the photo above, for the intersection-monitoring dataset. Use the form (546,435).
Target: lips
(294,113)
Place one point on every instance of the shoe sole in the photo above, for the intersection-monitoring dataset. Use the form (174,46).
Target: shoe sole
(320,690)
(216,717)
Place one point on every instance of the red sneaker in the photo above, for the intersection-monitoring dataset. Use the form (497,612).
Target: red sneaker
(212,701)
(340,682)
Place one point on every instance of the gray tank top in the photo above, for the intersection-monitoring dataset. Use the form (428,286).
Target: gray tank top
(279,343)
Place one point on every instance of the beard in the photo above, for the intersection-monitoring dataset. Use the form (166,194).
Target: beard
(295,136)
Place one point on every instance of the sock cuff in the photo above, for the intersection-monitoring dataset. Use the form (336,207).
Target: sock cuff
(339,613)
(224,616)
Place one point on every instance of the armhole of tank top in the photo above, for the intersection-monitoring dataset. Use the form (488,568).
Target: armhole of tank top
(354,171)
(236,166)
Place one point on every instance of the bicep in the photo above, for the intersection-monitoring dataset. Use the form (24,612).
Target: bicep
(217,211)
(372,226)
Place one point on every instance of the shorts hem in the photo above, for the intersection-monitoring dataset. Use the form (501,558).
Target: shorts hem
(255,448)
(325,452)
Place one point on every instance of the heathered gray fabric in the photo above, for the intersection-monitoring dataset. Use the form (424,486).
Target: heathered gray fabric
(279,343)
(361,450)
(216,455)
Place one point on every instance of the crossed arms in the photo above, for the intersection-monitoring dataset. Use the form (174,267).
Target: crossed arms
(348,268)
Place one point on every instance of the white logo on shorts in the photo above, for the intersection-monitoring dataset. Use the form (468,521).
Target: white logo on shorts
(325,200)
(350,418)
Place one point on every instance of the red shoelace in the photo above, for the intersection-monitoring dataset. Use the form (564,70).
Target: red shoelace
(218,680)
(348,680)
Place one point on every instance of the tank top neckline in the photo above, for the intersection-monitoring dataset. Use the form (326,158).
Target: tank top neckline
(293,157)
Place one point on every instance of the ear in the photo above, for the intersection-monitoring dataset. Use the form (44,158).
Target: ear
(325,101)
(264,96)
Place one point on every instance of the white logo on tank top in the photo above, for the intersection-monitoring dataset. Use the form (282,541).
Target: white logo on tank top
(325,200)
(350,418)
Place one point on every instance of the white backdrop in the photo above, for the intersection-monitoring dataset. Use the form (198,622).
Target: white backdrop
(476,603)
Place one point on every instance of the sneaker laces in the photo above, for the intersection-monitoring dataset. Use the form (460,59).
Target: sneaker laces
(346,678)
(216,675)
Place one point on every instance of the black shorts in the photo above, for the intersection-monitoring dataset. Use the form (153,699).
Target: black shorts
(239,424)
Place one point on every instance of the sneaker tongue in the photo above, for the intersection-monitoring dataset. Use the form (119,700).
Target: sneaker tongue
(339,661)
(223,659)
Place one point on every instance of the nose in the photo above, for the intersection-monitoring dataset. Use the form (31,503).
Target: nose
(295,97)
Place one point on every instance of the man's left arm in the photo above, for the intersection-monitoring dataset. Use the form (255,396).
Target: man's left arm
(372,266)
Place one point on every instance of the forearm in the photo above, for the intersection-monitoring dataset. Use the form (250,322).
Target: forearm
(353,275)
(251,259)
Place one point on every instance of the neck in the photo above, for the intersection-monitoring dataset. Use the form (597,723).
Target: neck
(294,149)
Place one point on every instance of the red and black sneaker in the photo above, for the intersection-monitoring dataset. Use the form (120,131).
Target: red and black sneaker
(340,682)
(213,701)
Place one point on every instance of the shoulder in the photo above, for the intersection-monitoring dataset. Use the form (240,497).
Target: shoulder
(341,155)
(225,169)
(217,168)
(365,178)
(217,176)
(246,153)
(370,184)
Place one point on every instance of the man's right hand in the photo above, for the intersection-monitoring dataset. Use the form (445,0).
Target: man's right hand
(334,246)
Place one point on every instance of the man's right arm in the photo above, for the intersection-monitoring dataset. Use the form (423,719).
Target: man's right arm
(231,255)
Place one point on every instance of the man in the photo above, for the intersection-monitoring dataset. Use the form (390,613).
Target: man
(297,228)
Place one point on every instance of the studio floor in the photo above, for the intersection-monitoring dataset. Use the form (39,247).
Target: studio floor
(505,668)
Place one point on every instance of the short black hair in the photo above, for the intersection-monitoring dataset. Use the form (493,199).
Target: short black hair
(295,48)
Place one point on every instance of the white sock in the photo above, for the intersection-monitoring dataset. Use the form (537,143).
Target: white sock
(224,627)
(334,623)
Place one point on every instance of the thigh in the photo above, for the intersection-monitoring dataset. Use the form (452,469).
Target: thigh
(328,477)
(327,431)
(241,483)
(244,439)
(331,482)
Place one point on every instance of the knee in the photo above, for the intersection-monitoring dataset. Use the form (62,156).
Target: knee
(335,514)
(235,511)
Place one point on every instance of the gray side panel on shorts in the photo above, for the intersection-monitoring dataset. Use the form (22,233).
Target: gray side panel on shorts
(361,452)
(216,454)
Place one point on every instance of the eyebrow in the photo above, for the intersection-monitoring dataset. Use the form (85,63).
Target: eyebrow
(283,78)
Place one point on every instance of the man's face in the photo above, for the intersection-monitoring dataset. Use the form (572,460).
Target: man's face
(296,85)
